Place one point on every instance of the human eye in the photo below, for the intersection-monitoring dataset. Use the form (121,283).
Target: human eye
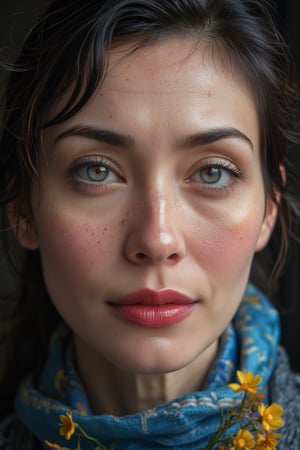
(216,174)
(93,172)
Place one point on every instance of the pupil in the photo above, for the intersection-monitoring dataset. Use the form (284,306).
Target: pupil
(97,172)
(212,175)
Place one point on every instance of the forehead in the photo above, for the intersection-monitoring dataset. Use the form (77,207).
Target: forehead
(168,61)
(173,86)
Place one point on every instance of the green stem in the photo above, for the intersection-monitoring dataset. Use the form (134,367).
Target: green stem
(90,438)
(215,438)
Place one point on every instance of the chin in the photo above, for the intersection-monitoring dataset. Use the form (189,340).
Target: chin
(152,362)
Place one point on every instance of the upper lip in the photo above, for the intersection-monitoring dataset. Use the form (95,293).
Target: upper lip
(151,297)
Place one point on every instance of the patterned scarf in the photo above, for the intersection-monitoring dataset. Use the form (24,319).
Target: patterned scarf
(249,343)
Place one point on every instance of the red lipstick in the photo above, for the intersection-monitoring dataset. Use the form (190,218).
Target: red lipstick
(153,308)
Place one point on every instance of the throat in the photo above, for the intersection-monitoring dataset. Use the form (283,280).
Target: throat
(153,390)
(111,390)
(124,393)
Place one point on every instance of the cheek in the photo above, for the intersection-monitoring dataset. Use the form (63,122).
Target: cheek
(227,246)
(70,247)
(238,243)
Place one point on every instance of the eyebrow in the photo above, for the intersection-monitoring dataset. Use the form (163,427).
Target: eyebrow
(122,140)
(213,135)
(97,134)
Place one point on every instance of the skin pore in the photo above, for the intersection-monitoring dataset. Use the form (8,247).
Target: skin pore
(156,183)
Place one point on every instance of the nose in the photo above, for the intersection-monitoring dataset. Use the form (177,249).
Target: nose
(155,235)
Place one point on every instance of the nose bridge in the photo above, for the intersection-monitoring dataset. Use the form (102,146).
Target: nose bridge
(160,207)
(155,233)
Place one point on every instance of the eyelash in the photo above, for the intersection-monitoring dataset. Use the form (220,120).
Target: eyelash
(92,163)
(223,165)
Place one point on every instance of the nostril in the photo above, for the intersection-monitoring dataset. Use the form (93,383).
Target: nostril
(141,256)
(173,257)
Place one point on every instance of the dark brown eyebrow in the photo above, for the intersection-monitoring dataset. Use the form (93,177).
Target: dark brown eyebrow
(121,140)
(106,136)
(210,136)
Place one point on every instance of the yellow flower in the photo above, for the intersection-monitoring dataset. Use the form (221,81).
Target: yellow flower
(66,426)
(243,440)
(53,446)
(248,382)
(268,442)
(271,416)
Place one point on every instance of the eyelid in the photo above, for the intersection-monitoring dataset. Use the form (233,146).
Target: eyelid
(216,161)
(223,164)
(86,161)
(234,172)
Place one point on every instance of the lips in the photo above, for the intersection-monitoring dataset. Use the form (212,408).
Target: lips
(153,308)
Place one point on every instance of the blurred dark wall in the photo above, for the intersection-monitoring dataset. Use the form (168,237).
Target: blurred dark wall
(289,290)
(15,17)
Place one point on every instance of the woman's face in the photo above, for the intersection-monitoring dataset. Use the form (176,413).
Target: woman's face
(150,206)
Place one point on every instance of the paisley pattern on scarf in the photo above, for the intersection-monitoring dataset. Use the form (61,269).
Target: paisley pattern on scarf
(249,343)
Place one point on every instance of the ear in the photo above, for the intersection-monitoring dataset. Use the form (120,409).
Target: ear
(268,223)
(22,227)
(270,214)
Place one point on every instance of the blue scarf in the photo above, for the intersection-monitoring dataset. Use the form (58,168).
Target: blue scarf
(249,343)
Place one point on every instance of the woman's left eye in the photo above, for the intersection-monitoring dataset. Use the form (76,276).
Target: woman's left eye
(216,175)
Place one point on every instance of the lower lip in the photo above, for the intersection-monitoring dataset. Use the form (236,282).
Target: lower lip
(153,315)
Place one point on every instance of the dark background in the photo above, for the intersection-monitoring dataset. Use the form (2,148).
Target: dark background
(15,19)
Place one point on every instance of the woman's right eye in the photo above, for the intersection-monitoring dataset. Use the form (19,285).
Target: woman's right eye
(96,173)
(93,172)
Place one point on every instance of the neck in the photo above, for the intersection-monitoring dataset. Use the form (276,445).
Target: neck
(111,390)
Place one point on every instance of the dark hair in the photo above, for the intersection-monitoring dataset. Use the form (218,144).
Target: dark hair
(68,49)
